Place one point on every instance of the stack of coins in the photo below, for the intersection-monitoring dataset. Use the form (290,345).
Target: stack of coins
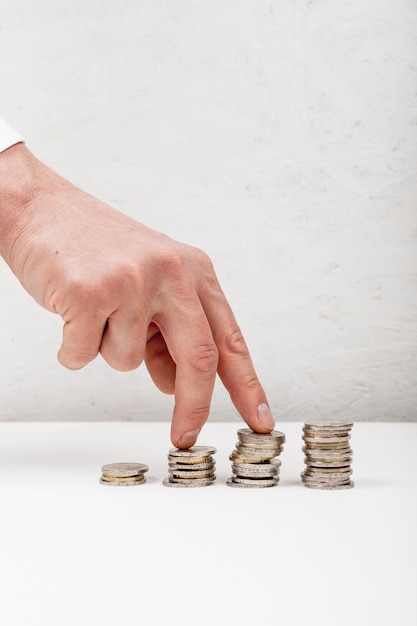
(123,474)
(328,454)
(254,462)
(194,467)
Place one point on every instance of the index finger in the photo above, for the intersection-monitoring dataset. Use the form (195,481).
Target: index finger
(235,366)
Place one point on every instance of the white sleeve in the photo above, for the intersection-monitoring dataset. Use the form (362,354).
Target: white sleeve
(8,136)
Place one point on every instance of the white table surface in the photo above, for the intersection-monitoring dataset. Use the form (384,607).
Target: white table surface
(78,553)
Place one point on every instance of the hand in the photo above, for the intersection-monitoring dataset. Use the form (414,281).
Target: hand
(127,292)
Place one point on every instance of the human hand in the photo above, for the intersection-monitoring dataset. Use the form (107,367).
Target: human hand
(127,292)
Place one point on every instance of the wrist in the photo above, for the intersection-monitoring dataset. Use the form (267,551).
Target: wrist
(22,178)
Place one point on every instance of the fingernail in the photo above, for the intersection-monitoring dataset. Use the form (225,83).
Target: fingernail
(189,439)
(265,416)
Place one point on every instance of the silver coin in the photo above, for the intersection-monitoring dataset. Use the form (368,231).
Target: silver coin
(230,482)
(326,446)
(238,458)
(319,479)
(339,430)
(271,445)
(190,460)
(258,467)
(247,434)
(122,479)
(327,474)
(322,424)
(327,470)
(257,481)
(330,454)
(168,482)
(192,466)
(266,454)
(124,470)
(272,463)
(330,476)
(325,486)
(117,483)
(191,474)
(186,481)
(246,473)
(331,480)
(325,464)
(327,440)
(194,451)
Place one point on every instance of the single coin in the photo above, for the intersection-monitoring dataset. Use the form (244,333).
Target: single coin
(327,440)
(118,483)
(238,458)
(326,437)
(246,473)
(190,460)
(325,486)
(124,470)
(322,481)
(194,451)
(322,474)
(341,430)
(319,424)
(266,454)
(258,467)
(256,446)
(247,434)
(326,446)
(274,463)
(187,481)
(230,482)
(330,454)
(312,456)
(315,463)
(192,466)
(328,470)
(258,481)
(129,479)
(191,474)
(169,482)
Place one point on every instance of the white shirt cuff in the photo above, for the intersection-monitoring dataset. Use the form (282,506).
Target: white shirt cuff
(8,136)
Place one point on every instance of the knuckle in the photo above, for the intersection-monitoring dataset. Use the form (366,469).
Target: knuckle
(250,382)
(204,358)
(202,259)
(197,415)
(122,362)
(236,343)
(173,261)
(179,260)
(76,360)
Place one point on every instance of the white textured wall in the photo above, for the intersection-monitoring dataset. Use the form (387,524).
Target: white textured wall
(281,138)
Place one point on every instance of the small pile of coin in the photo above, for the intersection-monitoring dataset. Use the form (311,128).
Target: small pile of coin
(328,454)
(254,462)
(123,474)
(193,467)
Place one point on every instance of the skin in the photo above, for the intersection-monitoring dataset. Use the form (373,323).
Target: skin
(126,292)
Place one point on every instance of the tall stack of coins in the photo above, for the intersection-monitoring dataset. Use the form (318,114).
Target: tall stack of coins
(328,454)
(194,467)
(123,474)
(254,462)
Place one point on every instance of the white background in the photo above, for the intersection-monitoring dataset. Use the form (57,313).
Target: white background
(280,137)
(74,552)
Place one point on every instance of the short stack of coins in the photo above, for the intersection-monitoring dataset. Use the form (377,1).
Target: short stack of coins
(328,454)
(123,474)
(254,462)
(193,467)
